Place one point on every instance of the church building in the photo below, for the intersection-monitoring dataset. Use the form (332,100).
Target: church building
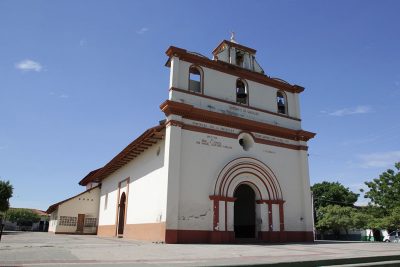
(229,161)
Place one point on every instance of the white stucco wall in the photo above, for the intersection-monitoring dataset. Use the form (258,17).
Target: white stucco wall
(223,86)
(147,189)
(53,221)
(201,164)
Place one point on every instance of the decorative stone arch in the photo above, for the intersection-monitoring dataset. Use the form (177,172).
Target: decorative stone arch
(260,178)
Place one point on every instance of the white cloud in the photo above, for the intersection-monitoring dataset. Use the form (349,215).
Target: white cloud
(351,111)
(380,160)
(397,83)
(64,96)
(29,65)
(142,30)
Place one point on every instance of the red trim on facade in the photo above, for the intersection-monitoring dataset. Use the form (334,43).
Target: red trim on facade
(198,129)
(270,227)
(273,183)
(198,236)
(216,213)
(281,218)
(267,201)
(223,198)
(226,215)
(231,69)
(118,203)
(134,149)
(286,236)
(190,112)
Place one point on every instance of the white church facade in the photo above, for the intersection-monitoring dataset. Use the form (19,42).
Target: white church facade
(230,161)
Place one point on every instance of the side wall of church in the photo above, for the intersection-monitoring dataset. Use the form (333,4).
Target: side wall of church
(143,180)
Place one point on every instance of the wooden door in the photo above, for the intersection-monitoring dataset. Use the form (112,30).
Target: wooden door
(81,222)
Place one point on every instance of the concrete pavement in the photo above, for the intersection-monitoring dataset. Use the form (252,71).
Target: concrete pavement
(47,249)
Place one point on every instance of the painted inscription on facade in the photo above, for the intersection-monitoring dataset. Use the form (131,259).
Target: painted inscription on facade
(213,141)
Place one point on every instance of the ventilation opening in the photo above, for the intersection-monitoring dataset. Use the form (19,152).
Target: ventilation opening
(246,141)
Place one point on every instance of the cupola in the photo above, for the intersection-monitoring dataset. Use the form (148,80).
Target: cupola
(236,54)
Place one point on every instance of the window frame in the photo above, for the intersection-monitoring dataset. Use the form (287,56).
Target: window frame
(246,89)
(284,96)
(200,70)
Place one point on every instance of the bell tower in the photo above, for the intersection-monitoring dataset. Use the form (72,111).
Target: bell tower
(236,54)
(229,126)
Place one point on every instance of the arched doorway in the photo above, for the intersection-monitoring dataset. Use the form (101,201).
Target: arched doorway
(244,212)
(121,214)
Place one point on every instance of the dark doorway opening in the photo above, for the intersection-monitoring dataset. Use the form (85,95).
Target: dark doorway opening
(41,226)
(245,212)
(121,214)
(377,235)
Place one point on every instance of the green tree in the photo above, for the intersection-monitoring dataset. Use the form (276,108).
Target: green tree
(390,222)
(361,220)
(385,190)
(6,192)
(335,218)
(23,217)
(332,193)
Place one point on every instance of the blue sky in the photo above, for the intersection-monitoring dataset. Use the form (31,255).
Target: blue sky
(79,80)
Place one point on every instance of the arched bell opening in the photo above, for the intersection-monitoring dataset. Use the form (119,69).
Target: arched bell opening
(245,212)
(121,214)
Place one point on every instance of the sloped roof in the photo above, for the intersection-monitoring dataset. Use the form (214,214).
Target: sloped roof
(130,152)
(55,206)
(36,211)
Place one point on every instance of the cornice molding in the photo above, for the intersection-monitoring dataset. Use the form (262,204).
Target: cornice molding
(198,129)
(190,112)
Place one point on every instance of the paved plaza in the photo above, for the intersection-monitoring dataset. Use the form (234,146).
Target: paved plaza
(46,249)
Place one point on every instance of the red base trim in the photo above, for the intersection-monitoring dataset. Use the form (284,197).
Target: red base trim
(72,233)
(215,237)
(286,236)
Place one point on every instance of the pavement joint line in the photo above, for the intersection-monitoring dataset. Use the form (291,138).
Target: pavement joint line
(152,261)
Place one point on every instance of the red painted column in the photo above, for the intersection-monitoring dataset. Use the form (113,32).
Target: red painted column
(216,213)
(281,218)
(270,216)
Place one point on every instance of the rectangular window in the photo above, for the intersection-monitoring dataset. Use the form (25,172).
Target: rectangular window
(90,222)
(68,221)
